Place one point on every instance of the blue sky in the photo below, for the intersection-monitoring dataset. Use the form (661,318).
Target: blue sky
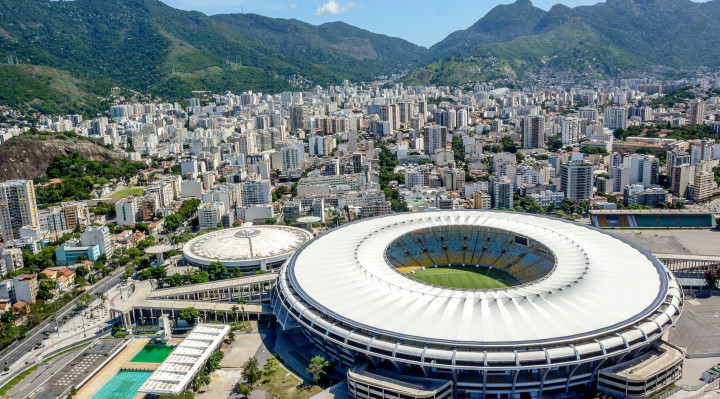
(423,22)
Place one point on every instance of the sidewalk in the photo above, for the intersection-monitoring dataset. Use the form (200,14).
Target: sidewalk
(227,376)
(70,332)
(709,391)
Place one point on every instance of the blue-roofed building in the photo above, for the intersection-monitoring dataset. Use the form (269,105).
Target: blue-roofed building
(68,255)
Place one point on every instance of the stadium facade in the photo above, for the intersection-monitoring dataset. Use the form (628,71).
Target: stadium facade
(583,301)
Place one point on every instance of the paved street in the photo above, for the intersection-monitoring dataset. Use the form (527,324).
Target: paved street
(22,351)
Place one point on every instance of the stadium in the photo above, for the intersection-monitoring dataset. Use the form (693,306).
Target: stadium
(482,304)
(249,248)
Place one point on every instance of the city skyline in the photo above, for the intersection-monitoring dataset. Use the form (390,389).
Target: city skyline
(424,24)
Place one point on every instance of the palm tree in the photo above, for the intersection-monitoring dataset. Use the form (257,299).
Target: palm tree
(235,309)
(102,297)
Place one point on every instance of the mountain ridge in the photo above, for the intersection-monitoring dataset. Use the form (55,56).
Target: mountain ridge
(149,46)
(84,47)
(622,36)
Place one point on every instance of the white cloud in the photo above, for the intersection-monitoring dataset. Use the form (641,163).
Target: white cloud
(294,7)
(332,7)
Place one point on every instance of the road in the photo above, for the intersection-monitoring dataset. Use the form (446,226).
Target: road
(20,347)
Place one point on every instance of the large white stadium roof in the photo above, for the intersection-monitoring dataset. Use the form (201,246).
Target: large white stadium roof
(246,245)
(600,283)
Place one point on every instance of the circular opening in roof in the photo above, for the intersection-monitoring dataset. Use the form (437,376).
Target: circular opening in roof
(470,257)
(248,233)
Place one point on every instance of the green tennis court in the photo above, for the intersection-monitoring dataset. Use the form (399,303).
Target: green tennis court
(465,277)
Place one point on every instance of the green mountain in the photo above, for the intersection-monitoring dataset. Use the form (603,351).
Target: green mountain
(148,46)
(337,46)
(70,53)
(501,24)
(615,38)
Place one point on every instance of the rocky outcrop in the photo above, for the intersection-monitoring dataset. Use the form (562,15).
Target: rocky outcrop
(28,157)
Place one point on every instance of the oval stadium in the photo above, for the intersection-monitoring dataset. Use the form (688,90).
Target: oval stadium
(249,248)
(472,303)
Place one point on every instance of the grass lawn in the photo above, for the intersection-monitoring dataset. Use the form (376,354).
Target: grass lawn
(127,192)
(11,384)
(66,351)
(467,277)
(283,384)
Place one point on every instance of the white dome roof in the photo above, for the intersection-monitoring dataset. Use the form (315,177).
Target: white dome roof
(600,283)
(245,245)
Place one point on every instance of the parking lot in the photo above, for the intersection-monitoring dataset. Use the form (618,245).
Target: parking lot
(698,329)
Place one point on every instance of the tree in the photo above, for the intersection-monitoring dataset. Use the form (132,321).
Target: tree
(251,371)
(318,368)
(217,269)
(83,299)
(44,295)
(508,145)
(234,309)
(102,297)
(173,221)
(199,276)
(711,279)
(237,273)
(129,271)
(134,253)
(189,314)
(554,143)
(243,390)
(200,381)
(82,271)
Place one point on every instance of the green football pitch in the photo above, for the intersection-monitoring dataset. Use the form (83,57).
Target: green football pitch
(465,277)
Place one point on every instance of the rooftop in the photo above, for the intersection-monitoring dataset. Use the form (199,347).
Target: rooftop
(669,212)
(581,297)
(647,365)
(244,244)
(176,371)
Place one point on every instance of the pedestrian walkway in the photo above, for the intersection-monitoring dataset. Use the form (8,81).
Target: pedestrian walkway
(228,375)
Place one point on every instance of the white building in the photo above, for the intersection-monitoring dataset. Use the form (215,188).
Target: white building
(255,192)
(210,214)
(546,198)
(97,235)
(435,139)
(52,219)
(290,158)
(570,131)
(128,211)
(577,180)
(616,118)
(18,208)
(163,190)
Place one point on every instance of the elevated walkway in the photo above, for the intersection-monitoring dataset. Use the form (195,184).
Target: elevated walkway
(216,301)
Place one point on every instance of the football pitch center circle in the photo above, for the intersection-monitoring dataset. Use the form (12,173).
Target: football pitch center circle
(466,277)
